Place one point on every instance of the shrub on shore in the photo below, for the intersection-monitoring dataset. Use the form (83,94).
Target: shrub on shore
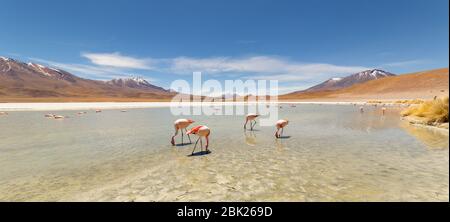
(433,111)
(414,101)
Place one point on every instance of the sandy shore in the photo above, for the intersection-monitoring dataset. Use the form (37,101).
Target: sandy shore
(134,105)
(418,122)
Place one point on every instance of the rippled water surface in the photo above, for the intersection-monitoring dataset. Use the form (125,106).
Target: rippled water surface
(332,153)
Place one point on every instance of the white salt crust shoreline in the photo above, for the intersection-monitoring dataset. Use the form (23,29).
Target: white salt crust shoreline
(136,105)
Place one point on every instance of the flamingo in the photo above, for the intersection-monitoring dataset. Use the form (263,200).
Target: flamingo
(181,124)
(361,109)
(3,113)
(383,110)
(58,117)
(50,115)
(200,131)
(280,125)
(98,111)
(252,118)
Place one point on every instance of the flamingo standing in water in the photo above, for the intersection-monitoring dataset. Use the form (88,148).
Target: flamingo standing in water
(58,117)
(181,124)
(280,125)
(200,131)
(361,109)
(252,118)
(383,110)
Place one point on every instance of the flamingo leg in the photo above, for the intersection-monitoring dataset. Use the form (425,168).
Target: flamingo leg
(195,146)
(276,133)
(173,137)
(201,144)
(188,136)
(253,124)
(182,136)
(245,125)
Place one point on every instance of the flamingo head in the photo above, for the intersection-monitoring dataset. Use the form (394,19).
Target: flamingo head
(194,130)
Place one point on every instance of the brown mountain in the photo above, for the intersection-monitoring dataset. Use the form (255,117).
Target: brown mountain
(34,82)
(339,83)
(424,85)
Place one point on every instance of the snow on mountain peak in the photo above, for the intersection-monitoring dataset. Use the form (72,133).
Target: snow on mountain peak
(36,65)
(131,80)
(374,73)
(139,80)
(42,69)
(5,59)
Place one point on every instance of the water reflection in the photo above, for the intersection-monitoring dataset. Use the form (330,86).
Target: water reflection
(370,120)
(280,144)
(250,138)
(430,138)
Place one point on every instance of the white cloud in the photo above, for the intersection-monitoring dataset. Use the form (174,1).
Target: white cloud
(279,77)
(117,60)
(258,64)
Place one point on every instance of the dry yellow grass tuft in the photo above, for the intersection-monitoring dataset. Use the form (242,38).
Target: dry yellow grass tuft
(374,101)
(434,111)
(414,101)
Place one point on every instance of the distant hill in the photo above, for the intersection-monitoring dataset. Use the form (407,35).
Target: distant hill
(339,83)
(34,82)
(136,83)
(425,85)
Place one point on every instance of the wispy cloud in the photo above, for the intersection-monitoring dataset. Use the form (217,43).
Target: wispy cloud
(260,65)
(406,63)
(119,61)
(89,71)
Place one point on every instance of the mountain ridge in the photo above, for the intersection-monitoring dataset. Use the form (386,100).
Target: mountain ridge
(423,85)
(31,81)
(347,81)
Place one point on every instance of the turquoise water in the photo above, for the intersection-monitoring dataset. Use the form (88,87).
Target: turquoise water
(333,153)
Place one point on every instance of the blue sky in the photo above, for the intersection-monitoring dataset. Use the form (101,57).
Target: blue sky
(300,43)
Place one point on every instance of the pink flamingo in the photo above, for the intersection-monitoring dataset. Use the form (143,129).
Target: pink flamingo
(181,124)
(280,125)
(252,118)
(200,131)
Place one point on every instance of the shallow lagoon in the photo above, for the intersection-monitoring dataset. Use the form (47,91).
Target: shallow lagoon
(333,153)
